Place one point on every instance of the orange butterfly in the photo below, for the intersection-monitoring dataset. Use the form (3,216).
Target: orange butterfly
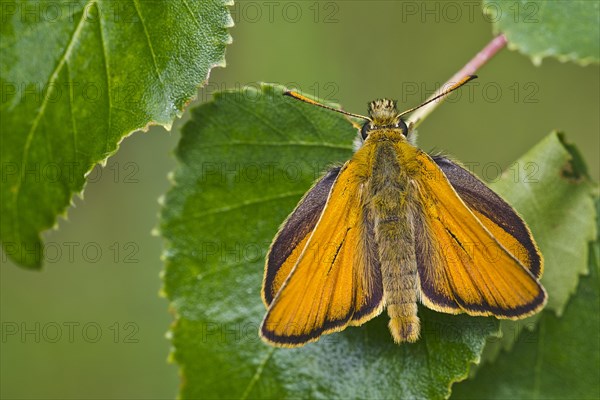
(392,227)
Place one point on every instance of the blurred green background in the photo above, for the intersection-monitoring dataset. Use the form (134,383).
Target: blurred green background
(92,324)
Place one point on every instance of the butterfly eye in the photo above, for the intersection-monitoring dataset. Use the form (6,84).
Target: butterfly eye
(365,130)
(403,127)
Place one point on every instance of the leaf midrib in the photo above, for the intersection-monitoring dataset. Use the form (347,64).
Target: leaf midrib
(53,77)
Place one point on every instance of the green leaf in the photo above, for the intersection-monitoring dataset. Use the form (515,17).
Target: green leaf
(566,30)
(550,187)
(245,160)
(559,359)
(79,76)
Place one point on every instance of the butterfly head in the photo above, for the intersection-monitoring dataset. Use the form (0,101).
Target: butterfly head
(384,115)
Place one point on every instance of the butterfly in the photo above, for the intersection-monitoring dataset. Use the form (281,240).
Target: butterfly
(391,228)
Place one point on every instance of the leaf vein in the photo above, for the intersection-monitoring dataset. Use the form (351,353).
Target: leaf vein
(247,204)
(310,122)
(107,69)
(73,124)
(257,374)
(152,53)
(277,144)
(539,361)
(53,77)
(278,131)
(195,19)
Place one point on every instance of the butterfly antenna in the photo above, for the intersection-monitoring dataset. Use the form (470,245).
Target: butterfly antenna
(444,93)
(298,96)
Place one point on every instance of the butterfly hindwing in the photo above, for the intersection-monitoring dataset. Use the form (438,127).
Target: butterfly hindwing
(336,279)
(495,214)
(462,266)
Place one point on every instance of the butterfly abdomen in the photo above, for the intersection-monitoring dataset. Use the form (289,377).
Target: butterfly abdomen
(391,199)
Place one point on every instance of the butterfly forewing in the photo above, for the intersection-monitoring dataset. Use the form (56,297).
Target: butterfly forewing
(293,235)
(334,278)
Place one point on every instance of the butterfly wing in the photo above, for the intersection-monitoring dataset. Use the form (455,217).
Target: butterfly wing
(495,214)
(336,280)
(462,266)
(293,235)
